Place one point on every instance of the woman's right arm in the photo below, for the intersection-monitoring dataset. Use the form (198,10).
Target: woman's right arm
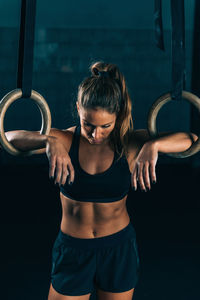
(27,140)
(56,145)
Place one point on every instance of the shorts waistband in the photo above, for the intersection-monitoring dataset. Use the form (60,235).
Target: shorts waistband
(108,240)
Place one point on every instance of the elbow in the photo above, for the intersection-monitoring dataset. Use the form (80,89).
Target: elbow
(9,136)
(14,135)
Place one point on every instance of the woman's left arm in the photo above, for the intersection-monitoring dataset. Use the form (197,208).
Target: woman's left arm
(146,160)
(174,142)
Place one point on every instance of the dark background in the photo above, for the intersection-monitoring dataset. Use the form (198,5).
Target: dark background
(69,36)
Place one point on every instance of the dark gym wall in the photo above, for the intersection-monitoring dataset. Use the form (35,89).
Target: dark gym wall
(95,14)
(70,36)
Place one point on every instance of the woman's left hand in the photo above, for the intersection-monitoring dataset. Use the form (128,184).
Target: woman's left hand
(144,168)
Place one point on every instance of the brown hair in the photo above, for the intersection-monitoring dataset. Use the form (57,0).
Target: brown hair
(109,91)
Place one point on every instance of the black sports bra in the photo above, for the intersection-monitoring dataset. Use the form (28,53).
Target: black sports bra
(108,186)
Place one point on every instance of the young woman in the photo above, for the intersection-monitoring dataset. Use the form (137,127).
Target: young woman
(95,164)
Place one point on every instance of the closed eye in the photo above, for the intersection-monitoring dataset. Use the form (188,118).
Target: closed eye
(89,125)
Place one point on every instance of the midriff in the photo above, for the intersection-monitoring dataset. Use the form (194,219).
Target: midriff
(89,219)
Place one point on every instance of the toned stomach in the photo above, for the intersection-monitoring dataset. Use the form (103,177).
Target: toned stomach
(90,219)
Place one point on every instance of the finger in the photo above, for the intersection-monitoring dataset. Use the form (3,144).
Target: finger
(52,166)
(153,172)
(71,172)
(140,177)
(64,175)
(134,179)
(58,171)
(146,176)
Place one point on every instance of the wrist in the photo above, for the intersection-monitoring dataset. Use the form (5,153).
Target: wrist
(50,139)
(153,144)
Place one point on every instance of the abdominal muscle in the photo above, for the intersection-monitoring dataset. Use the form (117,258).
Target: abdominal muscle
(90,219)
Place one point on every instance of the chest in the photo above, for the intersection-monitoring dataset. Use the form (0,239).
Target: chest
(95,161)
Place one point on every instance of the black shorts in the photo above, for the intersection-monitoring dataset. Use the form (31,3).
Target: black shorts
(110,263)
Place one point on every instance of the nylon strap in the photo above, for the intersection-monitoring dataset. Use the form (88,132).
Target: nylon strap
(26,47)
(158,24)
(194,117)
(178,48)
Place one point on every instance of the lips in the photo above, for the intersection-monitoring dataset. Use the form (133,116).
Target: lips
(96,141)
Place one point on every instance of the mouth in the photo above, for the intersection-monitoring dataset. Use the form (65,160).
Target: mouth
(95,141)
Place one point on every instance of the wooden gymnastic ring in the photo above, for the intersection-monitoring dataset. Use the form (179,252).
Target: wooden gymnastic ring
(6,101)
(152,115)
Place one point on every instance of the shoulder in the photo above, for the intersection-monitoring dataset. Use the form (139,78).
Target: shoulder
(137,138)
(62,132)
(64,135)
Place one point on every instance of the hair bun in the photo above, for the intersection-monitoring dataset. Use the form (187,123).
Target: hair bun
(100,73)
(103,74)
(95,71)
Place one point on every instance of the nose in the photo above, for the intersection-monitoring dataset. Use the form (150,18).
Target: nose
(96,133)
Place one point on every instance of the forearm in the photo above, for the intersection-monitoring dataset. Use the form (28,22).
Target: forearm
(175,142)
(27,140)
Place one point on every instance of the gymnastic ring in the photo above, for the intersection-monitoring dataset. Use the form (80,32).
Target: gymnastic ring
(152,115)
(6,101)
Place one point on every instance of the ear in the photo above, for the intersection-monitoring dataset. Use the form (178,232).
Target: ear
(77,106)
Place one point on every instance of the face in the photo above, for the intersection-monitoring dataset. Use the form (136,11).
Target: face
(96,124)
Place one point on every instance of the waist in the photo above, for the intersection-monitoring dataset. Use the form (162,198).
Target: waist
(79,229)
(112,239)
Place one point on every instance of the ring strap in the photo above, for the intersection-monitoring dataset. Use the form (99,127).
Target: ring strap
(178,48)
(158,24)
(26,47)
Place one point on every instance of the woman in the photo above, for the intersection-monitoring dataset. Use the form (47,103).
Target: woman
(95,165)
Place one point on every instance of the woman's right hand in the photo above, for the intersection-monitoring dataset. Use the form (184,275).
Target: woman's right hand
(60,166)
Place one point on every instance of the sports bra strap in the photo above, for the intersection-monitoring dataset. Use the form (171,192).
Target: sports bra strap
(73,152)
